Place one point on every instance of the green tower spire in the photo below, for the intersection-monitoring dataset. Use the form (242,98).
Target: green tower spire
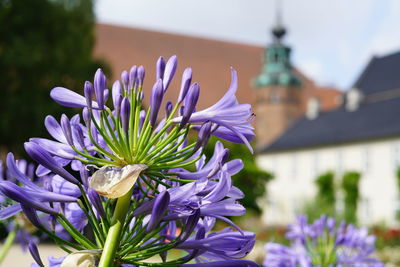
(277,68)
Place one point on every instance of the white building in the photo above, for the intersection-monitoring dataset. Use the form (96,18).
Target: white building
(362,135)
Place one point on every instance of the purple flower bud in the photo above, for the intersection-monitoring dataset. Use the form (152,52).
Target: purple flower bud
(170,69)
(94,133)
(191,224)
(84,176)
(88,90)
(132,76)
(181,110)
(142,117)
(86,117)
(125,79)
(160,207)
(106,95)
(32,216)
(43,157)
(160,68)
(35,253)
(125,113)
(155,101)
(204,135)
(141,96)
(66,128)
(78,133)
(8,212)
(95,199)
(100,84)
(16,193)
(140,75)
(186,80)
(225,156)
(168,109)
(190,105)
(116,94)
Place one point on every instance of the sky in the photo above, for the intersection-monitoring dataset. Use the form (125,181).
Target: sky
(332,40)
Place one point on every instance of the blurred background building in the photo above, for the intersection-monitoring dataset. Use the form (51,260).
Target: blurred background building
(362,134)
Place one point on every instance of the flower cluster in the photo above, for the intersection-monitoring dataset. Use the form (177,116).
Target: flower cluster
(126,184)
(323,243)
(19,229)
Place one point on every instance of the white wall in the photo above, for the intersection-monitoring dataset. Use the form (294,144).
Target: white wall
(296,171)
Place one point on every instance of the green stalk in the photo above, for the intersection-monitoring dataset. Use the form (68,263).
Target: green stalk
(7,244)
(114,234)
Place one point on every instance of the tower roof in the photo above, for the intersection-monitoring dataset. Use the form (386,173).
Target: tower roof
(277,68)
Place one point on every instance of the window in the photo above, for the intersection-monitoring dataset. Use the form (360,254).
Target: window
(366,161)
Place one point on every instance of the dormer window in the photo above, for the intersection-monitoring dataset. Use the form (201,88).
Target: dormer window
(354,98)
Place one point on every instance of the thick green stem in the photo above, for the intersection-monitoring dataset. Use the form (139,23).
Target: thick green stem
(114,234)
(7,244)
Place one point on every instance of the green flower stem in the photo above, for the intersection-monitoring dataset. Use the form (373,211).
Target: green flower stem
(184,152)
(94,223)
(135,132)
(170,152)
(175,164)
(154,139)
(75,233)
(145,132)
(99,148)
(131,130)
(163,144)
(60,241)
(114,234)
(94,159)
(155,179)
(103,131)
(7,244)
(118,144)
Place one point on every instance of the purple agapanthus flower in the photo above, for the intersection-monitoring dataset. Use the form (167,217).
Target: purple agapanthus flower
(119,171)
(323,243)
(232,119)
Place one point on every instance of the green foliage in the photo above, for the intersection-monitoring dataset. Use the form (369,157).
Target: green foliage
(350,184)
(398,189)
(326,192)
(325,200)
(251,179)
(398,177)
(43,43)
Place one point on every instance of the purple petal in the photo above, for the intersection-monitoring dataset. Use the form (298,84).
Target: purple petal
(170,69)
(9,211)
(43,157)
(68,98)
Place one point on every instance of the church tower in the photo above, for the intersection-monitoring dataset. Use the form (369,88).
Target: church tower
(278,90)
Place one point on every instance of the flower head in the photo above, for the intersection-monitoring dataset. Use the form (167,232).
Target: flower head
(323,243)
(120,170)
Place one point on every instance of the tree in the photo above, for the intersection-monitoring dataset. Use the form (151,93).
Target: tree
(43,44)
(326,192)
(350,184)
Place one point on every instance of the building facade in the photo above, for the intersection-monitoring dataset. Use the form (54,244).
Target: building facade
(282,92)
(362,135)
